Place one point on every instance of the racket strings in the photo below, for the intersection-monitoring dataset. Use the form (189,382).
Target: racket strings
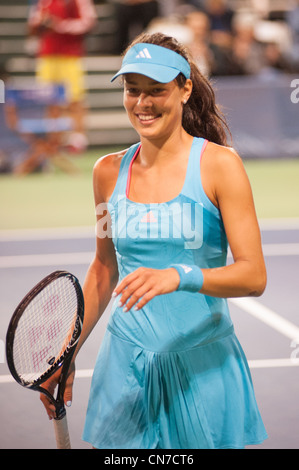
(46,329)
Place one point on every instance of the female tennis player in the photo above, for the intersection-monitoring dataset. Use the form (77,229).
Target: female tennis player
(170,372)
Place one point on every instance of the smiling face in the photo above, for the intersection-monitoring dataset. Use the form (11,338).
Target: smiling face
(154,109)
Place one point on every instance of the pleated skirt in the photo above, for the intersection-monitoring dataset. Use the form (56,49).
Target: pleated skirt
(200,398)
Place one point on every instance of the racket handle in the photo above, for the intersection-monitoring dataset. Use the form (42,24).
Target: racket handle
(62,433)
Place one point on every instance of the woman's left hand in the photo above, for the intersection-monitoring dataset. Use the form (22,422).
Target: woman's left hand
(139,287)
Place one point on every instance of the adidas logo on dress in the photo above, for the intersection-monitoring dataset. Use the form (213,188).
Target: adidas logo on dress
(148,218)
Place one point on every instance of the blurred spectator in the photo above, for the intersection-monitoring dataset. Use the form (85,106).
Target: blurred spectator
(167,7)
(292,18)
(221,17)
(247,52)
(7,141)
(133,17)
(173,24)
(60,26)
(198,4)
(274,61)
(199,24)
(220,37)
(261,7)
(211,58)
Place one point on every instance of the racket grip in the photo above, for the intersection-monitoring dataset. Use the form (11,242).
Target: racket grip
(62,433)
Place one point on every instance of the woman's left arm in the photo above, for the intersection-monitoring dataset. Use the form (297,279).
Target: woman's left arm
(231,192)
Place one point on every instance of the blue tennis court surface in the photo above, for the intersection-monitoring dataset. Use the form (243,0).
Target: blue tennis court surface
(267,327)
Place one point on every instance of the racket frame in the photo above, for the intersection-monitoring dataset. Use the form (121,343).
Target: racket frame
(64,360)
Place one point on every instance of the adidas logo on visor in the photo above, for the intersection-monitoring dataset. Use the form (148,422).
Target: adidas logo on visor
(144,54)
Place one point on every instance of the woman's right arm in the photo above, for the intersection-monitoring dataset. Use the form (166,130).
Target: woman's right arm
(101,278)
(100,281)
(102,274)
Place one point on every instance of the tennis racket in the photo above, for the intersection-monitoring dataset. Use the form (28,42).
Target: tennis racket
(42,336)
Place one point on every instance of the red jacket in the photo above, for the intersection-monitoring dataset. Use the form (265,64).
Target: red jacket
(69,21)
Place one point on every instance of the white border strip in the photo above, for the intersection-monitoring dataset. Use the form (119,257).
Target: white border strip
(59,259)
(51,259)
(277,249)
(281,249)
(89,231)
(279,224)
(6,379)
(59,233)
(253,364)
(267,316)
(272,363)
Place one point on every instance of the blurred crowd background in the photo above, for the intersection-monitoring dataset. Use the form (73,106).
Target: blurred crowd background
(248,48)
(226,37)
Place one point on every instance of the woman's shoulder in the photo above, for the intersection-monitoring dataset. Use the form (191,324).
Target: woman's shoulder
(221,152)
(105,174)
(109,162)
(221,159)
(221,169)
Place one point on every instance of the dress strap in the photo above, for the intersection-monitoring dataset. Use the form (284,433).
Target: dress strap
(193,187)
(193,178)
(130,170)
(124,174)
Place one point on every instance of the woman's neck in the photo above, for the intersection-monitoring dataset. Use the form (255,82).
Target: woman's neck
(158,152)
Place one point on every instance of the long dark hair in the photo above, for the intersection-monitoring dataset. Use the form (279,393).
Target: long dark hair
(201,115)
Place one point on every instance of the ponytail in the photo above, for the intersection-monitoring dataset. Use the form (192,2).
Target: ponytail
(201,115)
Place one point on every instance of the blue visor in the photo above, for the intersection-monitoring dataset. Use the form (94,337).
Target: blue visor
(156,62)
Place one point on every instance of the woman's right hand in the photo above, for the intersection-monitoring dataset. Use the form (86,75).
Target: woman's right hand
(51,384)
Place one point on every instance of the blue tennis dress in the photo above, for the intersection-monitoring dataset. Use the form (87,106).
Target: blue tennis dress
(172,375)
